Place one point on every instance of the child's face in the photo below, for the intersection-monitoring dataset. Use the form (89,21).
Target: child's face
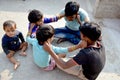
(51,39)
(71,18)
(40,22)
(10,31)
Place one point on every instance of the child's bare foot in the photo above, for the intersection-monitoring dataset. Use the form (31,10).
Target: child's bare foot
(17,64)
(23,54)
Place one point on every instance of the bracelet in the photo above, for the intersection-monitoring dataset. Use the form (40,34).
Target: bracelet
(73,47)
(28,34)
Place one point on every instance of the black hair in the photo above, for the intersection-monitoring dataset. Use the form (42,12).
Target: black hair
(71,8)
(91,30)
(43,33)
(34,16)
(9,23)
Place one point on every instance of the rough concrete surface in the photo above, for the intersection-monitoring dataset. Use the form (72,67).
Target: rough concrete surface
(107,8)
(17,10)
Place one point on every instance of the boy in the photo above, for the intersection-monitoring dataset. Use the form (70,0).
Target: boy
(36,19)
(90,61)
(11,43)
(74,17)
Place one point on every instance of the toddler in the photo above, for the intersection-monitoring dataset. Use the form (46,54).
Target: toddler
(11,42)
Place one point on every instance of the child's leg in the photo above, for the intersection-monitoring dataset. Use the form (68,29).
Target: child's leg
(61,34)
(75,70)
(74,37)
(13,60)
(23,47)
(65,34)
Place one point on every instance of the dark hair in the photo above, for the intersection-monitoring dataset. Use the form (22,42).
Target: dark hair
(71,8)
(43,33)
(34,16)
(9,23)
(91,30)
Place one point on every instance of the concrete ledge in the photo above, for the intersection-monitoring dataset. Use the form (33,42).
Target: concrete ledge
(107,9)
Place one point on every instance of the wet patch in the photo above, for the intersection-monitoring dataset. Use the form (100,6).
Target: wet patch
(6,75)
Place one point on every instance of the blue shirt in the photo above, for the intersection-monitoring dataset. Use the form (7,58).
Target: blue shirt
(40,56)
(12,43)
(74,25)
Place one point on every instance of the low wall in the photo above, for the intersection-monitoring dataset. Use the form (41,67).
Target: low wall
(107,9)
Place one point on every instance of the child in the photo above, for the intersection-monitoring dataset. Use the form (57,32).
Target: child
(89,61)
(36,18)
(41,57)
(74,17)
(11,43)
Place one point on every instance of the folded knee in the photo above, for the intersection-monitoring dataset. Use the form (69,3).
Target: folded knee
(11,54)
(25,44)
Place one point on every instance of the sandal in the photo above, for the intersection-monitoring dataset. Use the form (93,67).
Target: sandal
(61,40)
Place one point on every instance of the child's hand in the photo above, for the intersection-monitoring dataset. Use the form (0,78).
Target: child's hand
(31,26)
(82,44)
(78,19)
(30,30)
(47,46)
(60,16)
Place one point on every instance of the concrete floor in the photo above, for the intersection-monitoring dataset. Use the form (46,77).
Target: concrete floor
(17,10)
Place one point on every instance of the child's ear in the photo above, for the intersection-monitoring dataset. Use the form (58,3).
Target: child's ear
(77,13)
(15,26)
(85,37)
(48,41)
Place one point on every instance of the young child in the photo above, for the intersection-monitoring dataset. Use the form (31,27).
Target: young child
(74,17)
(41,57)
(36,18)
(89,61)
(11,43)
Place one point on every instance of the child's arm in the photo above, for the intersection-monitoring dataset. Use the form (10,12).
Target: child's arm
(5,49)
(28,38)
(81,44)
(30,29)
(21,37)
(64,50)
(58,60)
(60,16)
(83,16)
(4,46)
(33,29)
(53,19)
